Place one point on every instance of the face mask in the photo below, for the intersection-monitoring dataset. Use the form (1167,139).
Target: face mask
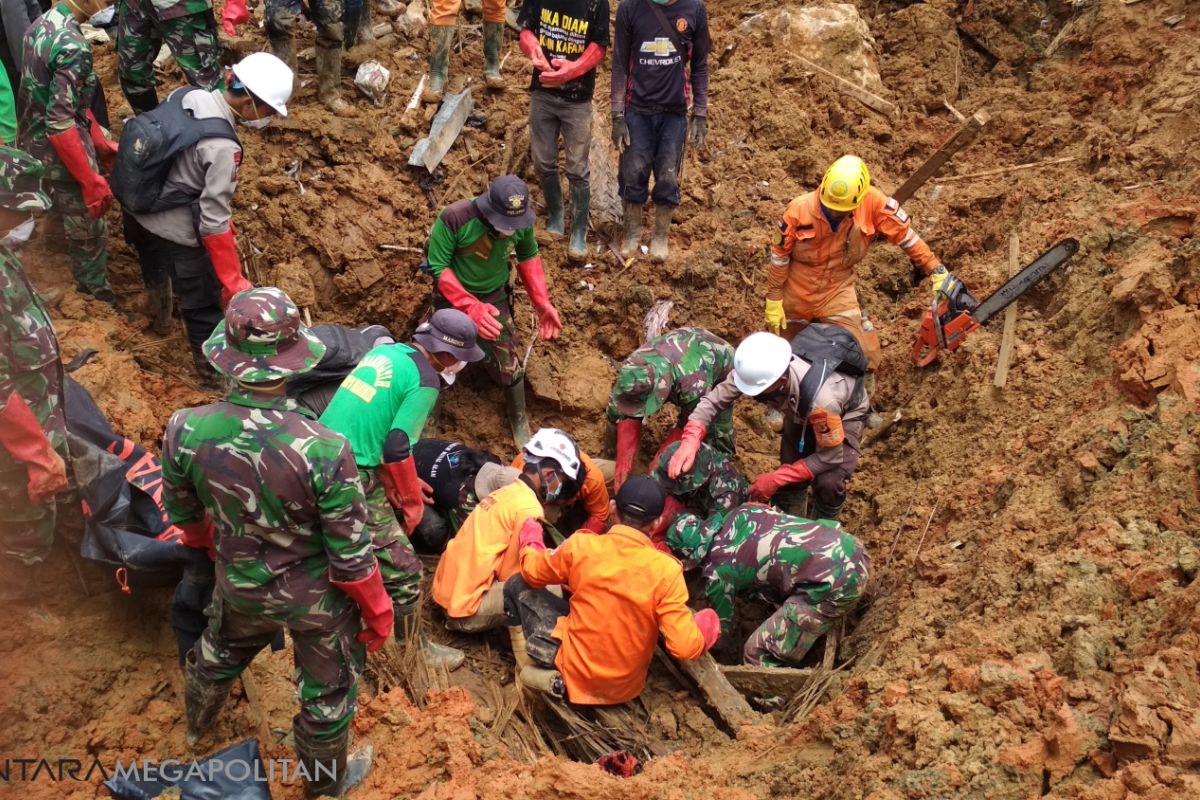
(20,234)
(450,374)
(552,485)
(662,2)
(257,124)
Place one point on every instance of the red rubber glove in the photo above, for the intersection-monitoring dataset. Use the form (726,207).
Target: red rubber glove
(106,151)
(234,14)
(710,626)
(406,491)
(97,195)
(22,435)
(689,445)
(629,434)
(222,251)
(533,49)
(566,71)
(374,605)
(534,278)
(672,508)
(532,535)
(766,485)
(198,533)
(482,314)
(595,525)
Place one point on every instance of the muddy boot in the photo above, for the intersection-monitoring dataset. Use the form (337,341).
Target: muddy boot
(516,635)
(546,681)
(104,293)
(329,81)
(493,38)
(822,511)
(210,380)
(662,232)
(552,191)
(364,33)
(631,221)
(350,17)
(158,307)
(581,202)
(792,500)
(284,50)
(408,624)
(518,417)
(203,699)
(327,770)
(440,39)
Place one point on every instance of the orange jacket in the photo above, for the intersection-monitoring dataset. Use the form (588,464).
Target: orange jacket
(812,266)
(623,593)
(484,550)
(593,494)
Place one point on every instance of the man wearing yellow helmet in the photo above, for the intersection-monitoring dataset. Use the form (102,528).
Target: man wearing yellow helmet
(816,247)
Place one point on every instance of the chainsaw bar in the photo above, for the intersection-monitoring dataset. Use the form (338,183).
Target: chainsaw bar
(1026,279)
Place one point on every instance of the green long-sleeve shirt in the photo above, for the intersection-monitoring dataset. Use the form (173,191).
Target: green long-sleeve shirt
(462,242)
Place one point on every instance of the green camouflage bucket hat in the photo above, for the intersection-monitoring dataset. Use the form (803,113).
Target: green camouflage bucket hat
(21,181)
(262,339)
(641,389)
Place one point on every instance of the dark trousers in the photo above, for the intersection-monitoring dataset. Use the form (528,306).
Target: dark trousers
(550,116)
(829,486)
(191,274)
(537,612)
(655,145)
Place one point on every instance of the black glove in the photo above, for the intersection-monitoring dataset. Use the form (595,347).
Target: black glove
(697,130)
(620,133)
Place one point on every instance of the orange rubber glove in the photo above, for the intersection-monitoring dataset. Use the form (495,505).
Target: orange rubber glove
(375,606)
(222,252)
(710,626)
(406,491)
(482,314)
(97,195)
(106,151)
(689,445)
(533,50)
(534,278)
(564,71)
(22,435)
(234,14)
(766,485)
(532,535)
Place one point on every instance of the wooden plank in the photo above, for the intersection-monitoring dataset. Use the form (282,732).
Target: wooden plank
(767,681)
(445,128)
(989,173)
(1010,316)
(963,137)
(726,700)
(871,101)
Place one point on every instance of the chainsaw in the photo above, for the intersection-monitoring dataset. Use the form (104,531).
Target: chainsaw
(947,323)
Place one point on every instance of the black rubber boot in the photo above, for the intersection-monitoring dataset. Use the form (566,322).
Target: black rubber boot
(158,307)
(518,417)
(822,511)
(792,500)
(552,191)
(329,770)
(145,100)
(203,699)
(408,624)
(210,379)
(581,202)
(350,19)
(631,221)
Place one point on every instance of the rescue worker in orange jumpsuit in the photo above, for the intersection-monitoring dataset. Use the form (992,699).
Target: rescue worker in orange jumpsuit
(818,242)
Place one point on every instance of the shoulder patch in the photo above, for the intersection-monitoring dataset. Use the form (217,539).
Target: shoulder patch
(457,214)
(893,208)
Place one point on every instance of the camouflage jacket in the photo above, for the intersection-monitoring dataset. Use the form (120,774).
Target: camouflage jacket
(57,86)
(709,491)
(762,552)
(283,492)
(679,367)
(27,340)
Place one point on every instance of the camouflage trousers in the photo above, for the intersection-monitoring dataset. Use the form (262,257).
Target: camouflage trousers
(281,16)
(502,356)
(192,39)
(87,238)
(328,656)
(398,562)
(787,635)
(26,530)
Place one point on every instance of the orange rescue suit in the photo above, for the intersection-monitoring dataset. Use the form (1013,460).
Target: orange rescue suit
(593,494)
(485,549)
(624,592)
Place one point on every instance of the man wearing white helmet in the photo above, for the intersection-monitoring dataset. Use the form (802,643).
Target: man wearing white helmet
(190,247)
(469,582)
(817,383)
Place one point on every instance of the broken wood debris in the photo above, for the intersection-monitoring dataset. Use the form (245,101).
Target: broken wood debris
(961,138)
(446,126)
(767,681)
(989,173)
(728,702)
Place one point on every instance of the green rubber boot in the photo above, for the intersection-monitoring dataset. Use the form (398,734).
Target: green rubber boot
(581,202)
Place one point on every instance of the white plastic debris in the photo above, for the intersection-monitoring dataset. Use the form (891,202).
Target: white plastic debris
(645,249)
(372,79)
(589,266)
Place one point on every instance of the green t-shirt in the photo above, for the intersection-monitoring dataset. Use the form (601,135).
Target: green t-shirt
(393,388)
(460,241)
(8,111)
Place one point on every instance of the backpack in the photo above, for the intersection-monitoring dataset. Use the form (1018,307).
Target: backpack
(150,143)
(823,342)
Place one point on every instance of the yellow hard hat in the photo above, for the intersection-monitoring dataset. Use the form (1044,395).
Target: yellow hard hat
(845,184)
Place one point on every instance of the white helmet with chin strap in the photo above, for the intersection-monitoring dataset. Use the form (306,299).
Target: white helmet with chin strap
(553,444)
(267,78)
(759,361)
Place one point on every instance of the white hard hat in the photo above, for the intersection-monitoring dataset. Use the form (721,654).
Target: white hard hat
(267,78)
(759,361)
(554,444)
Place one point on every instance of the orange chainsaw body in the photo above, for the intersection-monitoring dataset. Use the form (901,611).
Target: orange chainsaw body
(952,331)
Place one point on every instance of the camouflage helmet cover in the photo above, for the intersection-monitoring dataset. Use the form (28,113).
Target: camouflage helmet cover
(262,338)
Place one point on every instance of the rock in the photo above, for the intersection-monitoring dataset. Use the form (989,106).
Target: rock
(999,682)
(1137,732)
(579,384)
(412,22)
(293,278)
(832,35)
(1183,746)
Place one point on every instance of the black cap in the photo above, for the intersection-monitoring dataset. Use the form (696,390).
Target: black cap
(505,204)
(641,498)
(450,331)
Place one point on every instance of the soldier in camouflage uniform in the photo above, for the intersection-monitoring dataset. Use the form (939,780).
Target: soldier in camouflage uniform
(815,570)
(702,497)
(186,26)
(284,496)
(33,446)
(57,127)
(679,367)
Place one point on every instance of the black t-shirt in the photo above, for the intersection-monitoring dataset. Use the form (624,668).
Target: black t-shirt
(450,468)
(565,28)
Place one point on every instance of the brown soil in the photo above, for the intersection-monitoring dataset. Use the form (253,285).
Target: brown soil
(1032,628)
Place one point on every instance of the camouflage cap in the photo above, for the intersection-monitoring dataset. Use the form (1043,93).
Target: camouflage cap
(21,181)
(641,389)
(690,537)
(687,482)
(262,338)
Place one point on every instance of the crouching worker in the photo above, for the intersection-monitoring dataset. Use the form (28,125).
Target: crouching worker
(587,508)
(815,571)
(596,649)
(283,495)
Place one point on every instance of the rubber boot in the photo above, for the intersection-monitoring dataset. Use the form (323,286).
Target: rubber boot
(493,39)
(581,204)
(516,634)
(284,49)
(546,681)
(158,307)
(329,81)
(210,379)
(203,699)
(662,232)
(552,192)
(145,100)
(631,220)
(518,417)
(364,33)
(792,500)
(408,624)
(327,769)
(440,39)
(350,18)
(822,511)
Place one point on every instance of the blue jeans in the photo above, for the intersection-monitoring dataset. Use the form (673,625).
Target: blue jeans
(656,144)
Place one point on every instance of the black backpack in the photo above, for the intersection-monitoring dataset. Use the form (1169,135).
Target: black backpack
(150,143)
(828,348)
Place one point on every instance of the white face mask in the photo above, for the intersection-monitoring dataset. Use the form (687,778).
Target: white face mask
(20,234)
(450,374)
(256,124)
